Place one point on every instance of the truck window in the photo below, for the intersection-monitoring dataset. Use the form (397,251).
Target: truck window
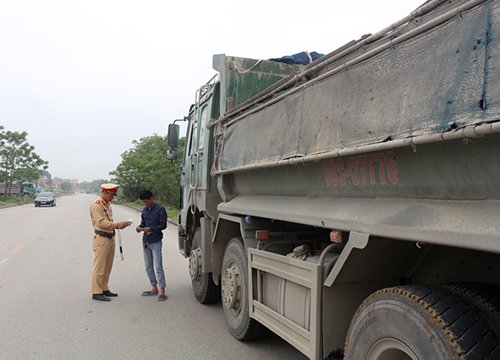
(192,138)
(203,125)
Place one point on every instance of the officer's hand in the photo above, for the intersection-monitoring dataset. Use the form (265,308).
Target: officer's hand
(122,224)
(138,229)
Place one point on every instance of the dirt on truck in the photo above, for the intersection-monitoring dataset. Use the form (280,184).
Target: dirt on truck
(351,205)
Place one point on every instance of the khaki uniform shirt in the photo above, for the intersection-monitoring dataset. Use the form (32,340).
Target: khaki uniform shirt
(102,216)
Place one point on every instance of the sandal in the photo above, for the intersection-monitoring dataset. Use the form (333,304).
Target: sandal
(149,293)
(162,297)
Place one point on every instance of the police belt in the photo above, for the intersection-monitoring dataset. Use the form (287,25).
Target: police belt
(105,234)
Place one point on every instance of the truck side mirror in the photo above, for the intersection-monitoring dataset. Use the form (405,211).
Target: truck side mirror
(173,135)
(172,154)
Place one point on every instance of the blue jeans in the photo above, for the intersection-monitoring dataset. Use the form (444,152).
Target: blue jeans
(154,264)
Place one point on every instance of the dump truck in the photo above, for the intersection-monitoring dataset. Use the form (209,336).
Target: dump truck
(17,189)
(352,205)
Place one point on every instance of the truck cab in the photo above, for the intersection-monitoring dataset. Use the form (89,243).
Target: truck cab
(238,80)
(199,194)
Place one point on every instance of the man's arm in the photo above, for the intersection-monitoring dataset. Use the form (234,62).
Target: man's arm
(162,221)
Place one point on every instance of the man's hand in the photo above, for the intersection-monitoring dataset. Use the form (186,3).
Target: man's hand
(146,230)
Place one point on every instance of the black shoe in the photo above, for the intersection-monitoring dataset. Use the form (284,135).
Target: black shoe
(109,293)
(100,297)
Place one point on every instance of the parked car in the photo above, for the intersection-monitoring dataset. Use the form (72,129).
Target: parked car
(46,199)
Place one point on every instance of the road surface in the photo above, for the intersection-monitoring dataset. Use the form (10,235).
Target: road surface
(46,310)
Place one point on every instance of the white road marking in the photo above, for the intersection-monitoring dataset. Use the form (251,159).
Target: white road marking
(3,261)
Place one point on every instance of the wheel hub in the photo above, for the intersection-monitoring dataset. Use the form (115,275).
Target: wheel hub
(195,264)
(231,287)
(388,348)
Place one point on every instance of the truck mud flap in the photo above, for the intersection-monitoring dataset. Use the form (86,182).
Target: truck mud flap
(285,297)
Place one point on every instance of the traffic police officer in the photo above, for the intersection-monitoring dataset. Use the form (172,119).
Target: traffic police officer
(104,241)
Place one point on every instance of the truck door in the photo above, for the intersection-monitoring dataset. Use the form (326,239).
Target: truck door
(196,151)
(193,154)
(201,158)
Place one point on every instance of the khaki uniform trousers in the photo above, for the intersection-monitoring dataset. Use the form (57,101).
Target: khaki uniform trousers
(104,253)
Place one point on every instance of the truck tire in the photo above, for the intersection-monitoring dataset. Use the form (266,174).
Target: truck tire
(419,323)
(234,292)
(204,288)
(485,297)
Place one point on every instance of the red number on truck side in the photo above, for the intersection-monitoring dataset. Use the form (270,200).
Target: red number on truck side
(373,169)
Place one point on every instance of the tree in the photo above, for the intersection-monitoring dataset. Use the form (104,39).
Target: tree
(45,180)
(46,175)
(92,187)
(145,166)
(18,160)
(66,187)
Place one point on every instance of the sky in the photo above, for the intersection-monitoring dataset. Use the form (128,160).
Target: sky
(86,78)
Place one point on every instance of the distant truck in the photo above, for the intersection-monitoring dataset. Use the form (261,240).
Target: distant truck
(18,189)
(352,205)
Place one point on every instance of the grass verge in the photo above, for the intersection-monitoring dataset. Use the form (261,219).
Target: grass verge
(15,200)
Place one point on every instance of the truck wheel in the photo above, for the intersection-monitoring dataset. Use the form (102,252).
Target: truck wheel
(419,323)
(204,288)
(234,292)
(485,297)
